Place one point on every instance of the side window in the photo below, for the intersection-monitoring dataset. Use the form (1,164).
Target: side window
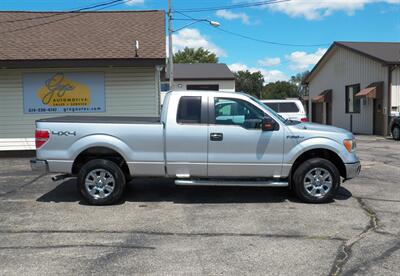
(189,110)
(288,107)
(273,106)
(237,112)
(352,102)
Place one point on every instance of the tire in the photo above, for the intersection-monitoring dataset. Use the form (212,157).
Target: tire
(311,181)
(101,182)
(396,133)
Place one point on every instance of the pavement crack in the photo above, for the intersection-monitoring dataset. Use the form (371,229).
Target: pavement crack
(62,246)
(345,250)
(178,234)
(381,199)
(387,253)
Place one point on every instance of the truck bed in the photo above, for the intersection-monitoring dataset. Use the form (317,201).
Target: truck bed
(103,119)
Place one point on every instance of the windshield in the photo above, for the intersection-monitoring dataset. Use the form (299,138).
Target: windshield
(279,117)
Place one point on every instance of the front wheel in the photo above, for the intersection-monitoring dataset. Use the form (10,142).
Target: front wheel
(396,133)
(101,182)
(316,180)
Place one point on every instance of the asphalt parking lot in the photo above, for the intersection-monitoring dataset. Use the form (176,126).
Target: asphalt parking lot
(161,229)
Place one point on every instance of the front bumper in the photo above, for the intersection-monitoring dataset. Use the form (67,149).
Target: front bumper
(352,170)
(39,166)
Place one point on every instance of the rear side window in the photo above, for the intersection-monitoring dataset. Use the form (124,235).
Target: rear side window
(288,107)
(189,110)
(273,106)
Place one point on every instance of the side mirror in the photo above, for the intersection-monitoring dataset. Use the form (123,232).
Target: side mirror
(268,124)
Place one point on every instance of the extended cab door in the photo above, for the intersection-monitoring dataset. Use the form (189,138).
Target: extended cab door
(237,147)
(186,136)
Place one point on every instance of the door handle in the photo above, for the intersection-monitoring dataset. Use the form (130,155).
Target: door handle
(216,136)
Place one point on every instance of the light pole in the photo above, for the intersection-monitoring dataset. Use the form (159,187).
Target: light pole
(170,55)
(170,32)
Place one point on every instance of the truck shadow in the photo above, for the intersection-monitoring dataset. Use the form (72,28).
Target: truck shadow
(160,190)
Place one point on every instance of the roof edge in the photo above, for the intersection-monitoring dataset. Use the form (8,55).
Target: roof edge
(72,63)
(113,11)
(340,44)
(199,79)
(307,79)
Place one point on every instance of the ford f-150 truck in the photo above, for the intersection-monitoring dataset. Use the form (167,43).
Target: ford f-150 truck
(201,138)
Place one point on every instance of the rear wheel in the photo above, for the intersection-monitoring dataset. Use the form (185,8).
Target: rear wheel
(396,133)
(316,180)
(101,182)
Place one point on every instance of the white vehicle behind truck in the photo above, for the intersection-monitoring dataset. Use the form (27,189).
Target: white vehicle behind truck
(201,138)
(291,109)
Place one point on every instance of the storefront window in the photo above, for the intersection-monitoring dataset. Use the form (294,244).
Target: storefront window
(352,102)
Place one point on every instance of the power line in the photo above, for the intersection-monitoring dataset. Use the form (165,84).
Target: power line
(234,6)
(73,14)
(271,42)
(102,4)
(260,40)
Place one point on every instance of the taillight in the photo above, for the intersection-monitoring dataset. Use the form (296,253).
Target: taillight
(304,120)
(41,137)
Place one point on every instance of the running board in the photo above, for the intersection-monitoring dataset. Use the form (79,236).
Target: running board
(271,183)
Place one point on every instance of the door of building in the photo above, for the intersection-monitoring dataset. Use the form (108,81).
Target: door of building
(378,117)
(328,116)
(318,113)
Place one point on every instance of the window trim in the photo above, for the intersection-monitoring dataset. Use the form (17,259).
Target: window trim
(347,99)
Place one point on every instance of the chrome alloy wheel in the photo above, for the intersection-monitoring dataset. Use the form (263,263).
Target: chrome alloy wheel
(318,182)
(99,183)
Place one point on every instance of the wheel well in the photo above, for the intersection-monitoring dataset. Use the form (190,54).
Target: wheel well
(321,153)
(100,153)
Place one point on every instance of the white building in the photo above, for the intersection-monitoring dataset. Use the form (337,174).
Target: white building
(105,63)
(203,76)
(356,86)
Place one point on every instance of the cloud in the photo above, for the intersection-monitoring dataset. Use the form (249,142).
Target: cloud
(269,61)
(228,15)
(269,75)
(313,10)
(134,2)
(192,38)
(300,61)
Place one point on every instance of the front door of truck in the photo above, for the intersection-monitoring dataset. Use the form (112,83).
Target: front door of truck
(237,147)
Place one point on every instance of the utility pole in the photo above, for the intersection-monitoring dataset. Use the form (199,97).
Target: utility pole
(170,57)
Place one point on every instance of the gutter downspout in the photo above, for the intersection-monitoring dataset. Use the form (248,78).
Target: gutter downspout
(389,103)
(309,103)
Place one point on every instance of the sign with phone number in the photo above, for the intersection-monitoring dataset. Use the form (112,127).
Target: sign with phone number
(60,92)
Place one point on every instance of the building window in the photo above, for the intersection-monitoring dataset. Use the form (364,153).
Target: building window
(213,87)
(164,86)
(352,102)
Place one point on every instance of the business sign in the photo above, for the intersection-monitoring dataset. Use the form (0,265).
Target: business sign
(63,92)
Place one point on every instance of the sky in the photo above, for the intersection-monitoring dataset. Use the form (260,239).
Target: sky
(306,28)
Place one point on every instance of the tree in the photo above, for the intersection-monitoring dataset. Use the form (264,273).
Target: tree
(250,83)
(280,90)
(191,55)
(298,78)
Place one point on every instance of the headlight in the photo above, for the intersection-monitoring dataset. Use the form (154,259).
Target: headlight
(350,144)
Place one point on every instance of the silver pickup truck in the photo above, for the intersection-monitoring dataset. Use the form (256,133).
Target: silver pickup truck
(202,138)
